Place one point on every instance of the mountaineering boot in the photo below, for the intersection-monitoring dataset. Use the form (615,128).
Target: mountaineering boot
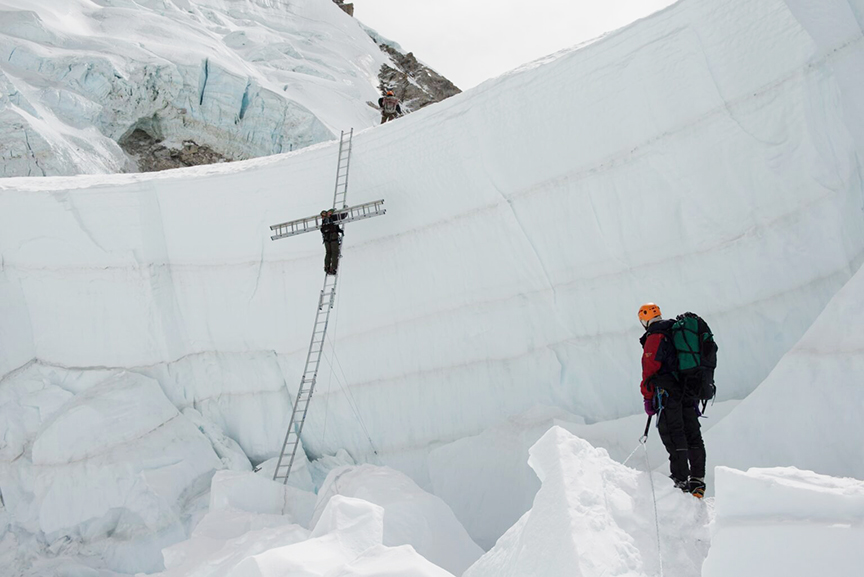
(696,487)
(683,485)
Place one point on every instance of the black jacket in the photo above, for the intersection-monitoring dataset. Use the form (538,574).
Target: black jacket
(330,231)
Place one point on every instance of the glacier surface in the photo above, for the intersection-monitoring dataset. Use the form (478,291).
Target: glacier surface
(246,78)
(696,161)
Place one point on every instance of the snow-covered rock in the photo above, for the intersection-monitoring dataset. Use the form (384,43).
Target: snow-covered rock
(785,521)
(594,516)
(411,516)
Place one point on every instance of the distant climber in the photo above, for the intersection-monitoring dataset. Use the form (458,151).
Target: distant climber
(332,235)
(390,107)
(672,392)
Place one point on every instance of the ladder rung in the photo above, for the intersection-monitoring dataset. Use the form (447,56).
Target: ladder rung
(327,298)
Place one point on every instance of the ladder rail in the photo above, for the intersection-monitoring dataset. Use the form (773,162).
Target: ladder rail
(326,302)
(345,147)
(312,223)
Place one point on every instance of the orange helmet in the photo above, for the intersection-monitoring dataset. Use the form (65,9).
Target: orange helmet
(389,93)
(647,312)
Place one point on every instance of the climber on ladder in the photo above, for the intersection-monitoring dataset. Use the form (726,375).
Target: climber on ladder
(332,236)
(328,221)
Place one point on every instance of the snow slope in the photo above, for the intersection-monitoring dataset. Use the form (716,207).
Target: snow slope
(807,413)
(486,478)
(345,541)
(245,77)
(411,516)
(593,516)
(707,158)
(785,521)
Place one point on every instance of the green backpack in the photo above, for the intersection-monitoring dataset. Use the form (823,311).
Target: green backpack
(697,354)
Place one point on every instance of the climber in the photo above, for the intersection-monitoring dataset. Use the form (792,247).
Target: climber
(390,107)
(674,399)
(332,235)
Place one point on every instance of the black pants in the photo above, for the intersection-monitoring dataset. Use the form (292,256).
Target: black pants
(679,428)
(331,256)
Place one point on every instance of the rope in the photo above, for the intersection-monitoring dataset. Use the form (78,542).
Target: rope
(644,442)
(353,403)
(632,453)
(330,377)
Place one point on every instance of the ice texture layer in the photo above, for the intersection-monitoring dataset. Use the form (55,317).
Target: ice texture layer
(706,158)
(807,412)
(518,242)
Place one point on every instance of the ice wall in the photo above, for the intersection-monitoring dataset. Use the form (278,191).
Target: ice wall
(807,413)
(785,521)
(706,158)
(106,467)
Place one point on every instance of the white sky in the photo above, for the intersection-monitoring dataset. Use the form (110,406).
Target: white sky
(469,41)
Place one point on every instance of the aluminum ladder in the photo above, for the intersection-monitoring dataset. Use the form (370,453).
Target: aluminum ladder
(343,216)
(326,300)
(341,192)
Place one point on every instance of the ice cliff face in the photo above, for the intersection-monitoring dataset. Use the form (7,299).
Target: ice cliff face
(243,78)
(699,163)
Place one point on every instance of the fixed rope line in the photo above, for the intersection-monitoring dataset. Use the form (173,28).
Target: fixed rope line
(633,452)
(353,403)
(330,377)
(342,214)
(334,361)
(644,442)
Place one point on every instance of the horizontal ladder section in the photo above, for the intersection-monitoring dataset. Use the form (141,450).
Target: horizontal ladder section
(299,226)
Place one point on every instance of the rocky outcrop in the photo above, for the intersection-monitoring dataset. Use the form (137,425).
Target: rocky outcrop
(348,8)
(152,154)
(414,83)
